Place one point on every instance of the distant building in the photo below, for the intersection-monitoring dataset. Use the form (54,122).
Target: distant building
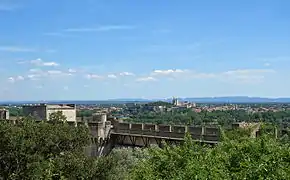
(4,114)
(43,111)
(184,104)
(175,101)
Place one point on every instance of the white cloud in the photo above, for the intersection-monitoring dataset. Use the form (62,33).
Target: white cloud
(100,28)
(40,62)
(149,78)
(172,74)
(93,76)
(35,70)
(20,78)
(245,75)
(16,78)
(33,77)
(112,76)
(126,74)
(238,75)
(57,34)
(72,70)
(54,72)
(168,72)
(36,74)
(248,71)
(50,64)
(19,49)
(11,79)
(16,49)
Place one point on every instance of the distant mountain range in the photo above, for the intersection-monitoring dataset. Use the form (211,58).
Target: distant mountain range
(238,99)
(229,99)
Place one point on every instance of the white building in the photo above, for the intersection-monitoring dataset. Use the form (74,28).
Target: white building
(175,101)
(43,111)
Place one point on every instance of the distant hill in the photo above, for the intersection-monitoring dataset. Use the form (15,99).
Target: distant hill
(79,102)
(229,99)
(238,99)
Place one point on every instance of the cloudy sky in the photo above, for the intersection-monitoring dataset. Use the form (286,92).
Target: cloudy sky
(101,49)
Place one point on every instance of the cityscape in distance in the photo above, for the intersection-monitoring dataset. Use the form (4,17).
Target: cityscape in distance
(228,99)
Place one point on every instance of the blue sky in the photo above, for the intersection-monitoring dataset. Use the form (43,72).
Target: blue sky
(101,49)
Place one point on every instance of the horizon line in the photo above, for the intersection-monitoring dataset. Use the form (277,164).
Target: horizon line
(150,99)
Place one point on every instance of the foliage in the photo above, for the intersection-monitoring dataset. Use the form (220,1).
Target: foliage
(31,150)
(45,150)
(15,111)
(85,113)
(119,162)
(57,117)
(160,103)
(223,118)
(245,158)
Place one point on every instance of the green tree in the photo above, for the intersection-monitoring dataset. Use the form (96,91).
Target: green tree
(31,150)
(57,117)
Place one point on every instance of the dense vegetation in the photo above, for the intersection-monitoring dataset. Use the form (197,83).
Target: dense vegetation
(31,150)
(205,117)
(56,150)
(190,117)
(14,111)
(160,103)
(262,158)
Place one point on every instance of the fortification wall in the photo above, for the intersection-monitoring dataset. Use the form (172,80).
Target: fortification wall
(136,128)
(163,130)
(101,132)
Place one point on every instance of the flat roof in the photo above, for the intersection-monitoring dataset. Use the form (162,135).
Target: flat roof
(52,106)
(58,106)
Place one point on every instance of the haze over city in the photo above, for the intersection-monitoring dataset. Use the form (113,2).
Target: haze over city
(81,50)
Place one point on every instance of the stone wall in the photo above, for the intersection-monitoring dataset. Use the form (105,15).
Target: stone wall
(197,132)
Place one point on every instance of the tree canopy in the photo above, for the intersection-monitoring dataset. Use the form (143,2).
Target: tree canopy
(247,158)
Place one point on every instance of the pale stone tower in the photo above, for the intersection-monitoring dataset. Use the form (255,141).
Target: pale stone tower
(175,101)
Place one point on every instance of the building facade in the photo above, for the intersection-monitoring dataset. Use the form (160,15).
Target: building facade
(43,111)
(4,114)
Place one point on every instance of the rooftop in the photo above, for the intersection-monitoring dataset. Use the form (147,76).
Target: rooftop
(60,106)
(54,106)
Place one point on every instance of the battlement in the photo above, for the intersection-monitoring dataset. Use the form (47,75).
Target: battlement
(170,131)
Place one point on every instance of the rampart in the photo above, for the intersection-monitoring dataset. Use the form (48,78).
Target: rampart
(170,131)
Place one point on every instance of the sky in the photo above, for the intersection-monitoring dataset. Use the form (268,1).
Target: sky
(107,49)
